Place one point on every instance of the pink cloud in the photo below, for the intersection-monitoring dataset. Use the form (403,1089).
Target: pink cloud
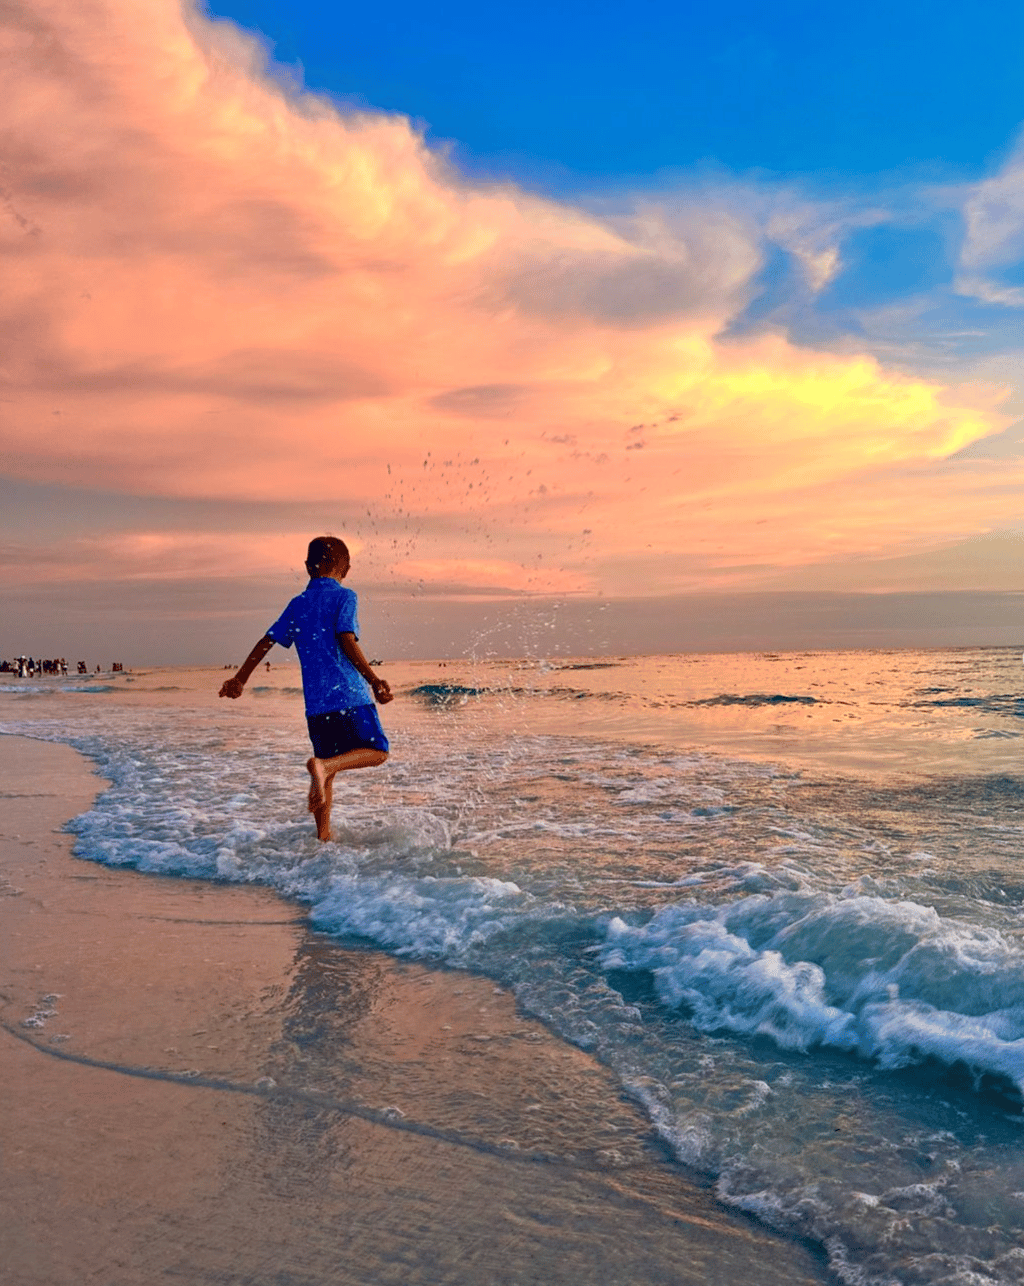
(216,287)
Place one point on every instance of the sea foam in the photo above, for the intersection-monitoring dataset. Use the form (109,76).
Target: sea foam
(891,981)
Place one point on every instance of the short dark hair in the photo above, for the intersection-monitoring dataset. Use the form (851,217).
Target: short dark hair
(325,554)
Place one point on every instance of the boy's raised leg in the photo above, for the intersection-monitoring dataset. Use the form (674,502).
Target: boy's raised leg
(321,785)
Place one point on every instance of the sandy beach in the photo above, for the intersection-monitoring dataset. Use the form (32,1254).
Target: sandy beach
(198,1089)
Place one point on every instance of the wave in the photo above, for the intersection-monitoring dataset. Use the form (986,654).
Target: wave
(51,689)
(453,694)
(754,699)
(589,665)
(443,694)
(892,982)
(1006,704)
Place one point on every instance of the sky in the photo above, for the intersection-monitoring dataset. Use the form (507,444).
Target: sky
(590,328)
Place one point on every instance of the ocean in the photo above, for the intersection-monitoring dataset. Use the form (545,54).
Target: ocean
(778,895)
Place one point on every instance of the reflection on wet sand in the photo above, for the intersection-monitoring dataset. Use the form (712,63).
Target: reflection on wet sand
(494,1152)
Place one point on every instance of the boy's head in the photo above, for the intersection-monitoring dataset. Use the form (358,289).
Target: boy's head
(326,556)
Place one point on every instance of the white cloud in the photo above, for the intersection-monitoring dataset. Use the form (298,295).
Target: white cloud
(994,223)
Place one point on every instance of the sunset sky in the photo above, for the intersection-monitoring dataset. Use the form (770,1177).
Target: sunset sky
(590,327)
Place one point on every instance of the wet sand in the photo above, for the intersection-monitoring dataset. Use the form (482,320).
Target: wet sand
(198,1089)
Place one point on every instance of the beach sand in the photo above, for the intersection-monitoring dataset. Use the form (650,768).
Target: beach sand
(198,1089)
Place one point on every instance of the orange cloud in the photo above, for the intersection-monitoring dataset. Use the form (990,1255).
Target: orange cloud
(157,555)
(217,287)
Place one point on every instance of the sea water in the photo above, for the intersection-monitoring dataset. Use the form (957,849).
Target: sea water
(779,895)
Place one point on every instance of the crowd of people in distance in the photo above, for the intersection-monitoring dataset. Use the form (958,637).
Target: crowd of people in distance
(28,667)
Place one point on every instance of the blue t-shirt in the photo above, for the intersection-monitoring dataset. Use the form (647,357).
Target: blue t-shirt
(313,621)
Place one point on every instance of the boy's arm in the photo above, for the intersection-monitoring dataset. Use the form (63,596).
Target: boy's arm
(381,688)
(233,687)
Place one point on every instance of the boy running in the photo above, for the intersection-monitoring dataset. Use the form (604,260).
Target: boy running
(338,685)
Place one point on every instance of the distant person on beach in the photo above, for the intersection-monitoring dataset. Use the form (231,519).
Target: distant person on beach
(337,682)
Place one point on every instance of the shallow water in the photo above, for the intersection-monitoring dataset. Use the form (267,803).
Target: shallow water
(779,895)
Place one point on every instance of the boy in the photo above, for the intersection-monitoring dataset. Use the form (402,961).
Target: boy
(338,685)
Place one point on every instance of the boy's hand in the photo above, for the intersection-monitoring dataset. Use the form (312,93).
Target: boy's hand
(231,688)
(381,690)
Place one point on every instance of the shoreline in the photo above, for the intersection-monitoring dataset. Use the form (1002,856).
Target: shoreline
(197,1086)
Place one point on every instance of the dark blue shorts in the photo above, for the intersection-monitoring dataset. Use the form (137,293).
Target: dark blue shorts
(343,730)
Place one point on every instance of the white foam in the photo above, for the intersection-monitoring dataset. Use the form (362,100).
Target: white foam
(425,918)
(54,689)
(894,982)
